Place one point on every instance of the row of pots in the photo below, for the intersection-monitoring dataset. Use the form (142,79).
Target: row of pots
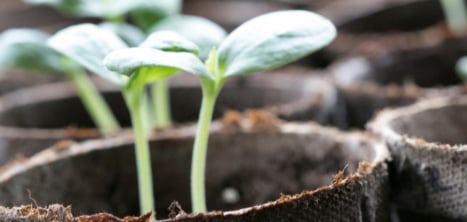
(260,160)
(418,177)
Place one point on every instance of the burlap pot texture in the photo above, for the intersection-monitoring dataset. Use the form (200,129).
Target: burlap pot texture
(35,118)
(400,78)
(427,143)
(278,171)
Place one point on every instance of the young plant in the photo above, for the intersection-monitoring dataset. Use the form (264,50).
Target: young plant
(456,15)
(461,68)
(204,33)
(143,12)
(26,49)
(150,16)
(88,44)
(265,42)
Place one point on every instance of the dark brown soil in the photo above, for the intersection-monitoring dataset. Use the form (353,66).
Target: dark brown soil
(256,165)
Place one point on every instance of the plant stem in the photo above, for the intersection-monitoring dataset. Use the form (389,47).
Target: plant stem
(198,162)
(142,152)
(456,15)
(93,101)
(161,104)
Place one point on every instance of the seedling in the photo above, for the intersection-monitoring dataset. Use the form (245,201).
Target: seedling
(145,13)
(26,49)
(150,16)
(88,44)
(200,31)
(266,42)
(456,15)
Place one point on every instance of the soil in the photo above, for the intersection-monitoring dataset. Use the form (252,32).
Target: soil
(257,165)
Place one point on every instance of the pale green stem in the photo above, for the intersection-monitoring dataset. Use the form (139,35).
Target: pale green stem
(142,152)
(161,104)
(456,15)
(93,101)
(198,162)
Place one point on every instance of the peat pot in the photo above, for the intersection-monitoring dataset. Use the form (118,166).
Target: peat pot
(399,78)
(427,142)
(35,118)
(256,171)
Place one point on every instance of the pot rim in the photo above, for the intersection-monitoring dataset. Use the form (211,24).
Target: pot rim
(313,90)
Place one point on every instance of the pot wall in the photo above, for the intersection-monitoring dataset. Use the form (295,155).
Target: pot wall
(258,165)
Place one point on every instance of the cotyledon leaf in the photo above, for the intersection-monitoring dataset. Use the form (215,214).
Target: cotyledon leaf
(26,49)
(169,41)
(87,44)
(273,40)
(111,8)
(130,34)
(204,33)
(129,61)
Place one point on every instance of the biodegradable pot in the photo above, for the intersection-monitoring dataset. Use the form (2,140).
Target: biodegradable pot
(396,79)
(257,161)
(35,118)
(427,143)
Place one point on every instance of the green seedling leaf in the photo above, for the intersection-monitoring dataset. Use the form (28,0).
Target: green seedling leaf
(131,61)
(461,68)
(146,16)
(26,49)
(272,40)
(87,44)
(130,34)
(202,32)
(170,42)
(146,9)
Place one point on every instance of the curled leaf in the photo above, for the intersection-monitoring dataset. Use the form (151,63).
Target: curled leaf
(273,40)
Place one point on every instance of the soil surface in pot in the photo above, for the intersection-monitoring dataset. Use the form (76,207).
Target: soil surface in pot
(36,118)
(246,166)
